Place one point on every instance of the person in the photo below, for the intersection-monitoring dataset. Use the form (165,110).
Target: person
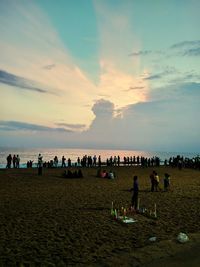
(135,189)
(55,161)
(17,161)
(39,164)
(104,174)
(111,175)
(9,161)
(157,180)
(166,182)
(63,162)
(14,161)
(152,179)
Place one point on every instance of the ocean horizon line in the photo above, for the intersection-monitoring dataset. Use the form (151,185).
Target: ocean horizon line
(98,148)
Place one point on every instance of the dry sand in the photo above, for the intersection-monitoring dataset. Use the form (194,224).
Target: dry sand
(52,221)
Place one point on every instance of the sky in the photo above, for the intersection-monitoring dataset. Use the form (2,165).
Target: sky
(107,74)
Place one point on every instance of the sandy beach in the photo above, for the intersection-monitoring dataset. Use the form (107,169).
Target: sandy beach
(52,221)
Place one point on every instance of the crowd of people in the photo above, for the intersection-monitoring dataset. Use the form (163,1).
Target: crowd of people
(89,161)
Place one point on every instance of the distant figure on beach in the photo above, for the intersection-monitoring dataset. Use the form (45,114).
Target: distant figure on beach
(39,164)
(63,162)
(157,181)
(135,189)
(9,161)
(29,164)
(152,179)
(17,161)
(14,161)
(166,182)
(99,161)
(69,162)
(55,161)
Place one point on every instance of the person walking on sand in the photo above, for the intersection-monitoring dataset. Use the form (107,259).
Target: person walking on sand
(135,189)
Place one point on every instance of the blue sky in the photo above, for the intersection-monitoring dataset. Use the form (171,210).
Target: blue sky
(100,74)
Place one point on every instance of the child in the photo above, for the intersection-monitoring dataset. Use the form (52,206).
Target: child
(135,189)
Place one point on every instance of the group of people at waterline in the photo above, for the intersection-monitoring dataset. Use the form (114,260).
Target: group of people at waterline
(15,160)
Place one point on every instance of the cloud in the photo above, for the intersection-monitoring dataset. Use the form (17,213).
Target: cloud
(141,53)
(192,52)
(155,76)
(49,67)
(187,48)
(167,122)
(19,82)
(72,126)
(146,53)
(135,88)
(184,44)
(23,126)
(160,75)
(186,77)
(33,52)
(103,108)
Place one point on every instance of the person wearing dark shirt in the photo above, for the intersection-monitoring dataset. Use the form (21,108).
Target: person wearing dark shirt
(135,189)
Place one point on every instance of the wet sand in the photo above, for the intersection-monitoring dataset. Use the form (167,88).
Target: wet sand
(52,221)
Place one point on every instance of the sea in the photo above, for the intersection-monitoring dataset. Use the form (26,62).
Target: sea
(27,154)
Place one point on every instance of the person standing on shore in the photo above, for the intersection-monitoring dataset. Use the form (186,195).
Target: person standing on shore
(39,164)
(63,162)
(135,189)
(9,161)
(17,161)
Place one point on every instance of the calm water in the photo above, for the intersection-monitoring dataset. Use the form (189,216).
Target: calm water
(48,154)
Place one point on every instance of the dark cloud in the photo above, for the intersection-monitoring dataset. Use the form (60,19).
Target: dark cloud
(17,81)
(187,48)
(185,44)
(186,77)
(155,76)
(166,72)
(103,108)
(192,52)
(17,125)
(145,53)
(49,67)
(140,53)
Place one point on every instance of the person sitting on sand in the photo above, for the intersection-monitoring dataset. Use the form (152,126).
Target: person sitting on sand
(99,172)
(80,174)
(111,175)
(135,189)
